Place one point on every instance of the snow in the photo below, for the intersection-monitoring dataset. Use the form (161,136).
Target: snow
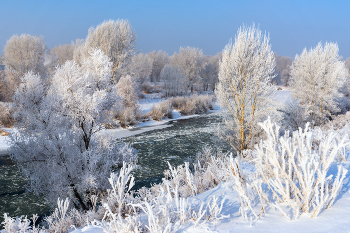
(146,105)
(334,219)
(90,229)
(3,145)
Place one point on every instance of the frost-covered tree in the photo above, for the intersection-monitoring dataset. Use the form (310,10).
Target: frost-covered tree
(191,62)
(117,40)
(58,145)
(209,73)
(317,75)
(282,65)
(63,53)
(244,88)
(129,111)
(286,76)
(160,59)
(347,63)
(78,51)
(142,67)
(174,81)
(25,53)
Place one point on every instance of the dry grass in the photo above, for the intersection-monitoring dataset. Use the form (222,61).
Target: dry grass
(161,111)
(6,119)
(195,104)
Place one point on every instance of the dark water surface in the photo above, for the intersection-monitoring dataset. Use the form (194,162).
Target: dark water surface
(177,144)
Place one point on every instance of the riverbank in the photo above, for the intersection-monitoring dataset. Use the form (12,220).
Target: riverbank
(146,104)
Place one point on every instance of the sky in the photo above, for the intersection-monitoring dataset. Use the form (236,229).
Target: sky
(168,24)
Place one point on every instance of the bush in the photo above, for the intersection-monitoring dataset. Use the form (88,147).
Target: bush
(147,88)
(161,111)
(195,104)
(129,115)
(178,102)
(6,119)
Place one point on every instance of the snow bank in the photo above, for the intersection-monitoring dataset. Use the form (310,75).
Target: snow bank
(334,219)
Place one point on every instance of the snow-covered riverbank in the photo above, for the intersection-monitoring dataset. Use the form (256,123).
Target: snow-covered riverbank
(146,105)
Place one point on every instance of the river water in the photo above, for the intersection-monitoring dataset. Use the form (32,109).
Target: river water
(176,144)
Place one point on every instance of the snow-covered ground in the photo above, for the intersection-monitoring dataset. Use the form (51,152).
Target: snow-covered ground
(3,145)
(334,219)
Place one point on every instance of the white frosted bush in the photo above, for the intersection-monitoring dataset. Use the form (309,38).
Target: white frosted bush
(57,144)
(195,104)
(296,168)
(161,111)
(20,225)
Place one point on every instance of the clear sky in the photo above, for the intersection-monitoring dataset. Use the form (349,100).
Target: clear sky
(168,24)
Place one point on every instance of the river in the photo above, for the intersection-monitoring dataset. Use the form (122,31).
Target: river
(176,144)
(179,142)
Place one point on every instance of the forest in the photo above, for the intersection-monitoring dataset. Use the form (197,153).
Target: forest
(288,159)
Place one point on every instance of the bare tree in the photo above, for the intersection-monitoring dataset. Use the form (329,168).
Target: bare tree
(317,76)
(191,62)
(244,88)
(117,40)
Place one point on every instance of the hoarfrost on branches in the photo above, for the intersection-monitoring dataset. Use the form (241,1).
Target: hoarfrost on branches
(117,40)
(317,76)
(244,88)
(57,145)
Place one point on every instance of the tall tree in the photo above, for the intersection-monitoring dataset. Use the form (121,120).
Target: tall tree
(281,70)
(244,88)
(25,53)
(63,53)
(160,59)
(191,62)
(117,40)
(142,67)
(317,76)
(174,81)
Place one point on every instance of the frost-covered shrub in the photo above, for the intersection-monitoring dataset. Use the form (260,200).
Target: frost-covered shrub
(339,122)
(168,212)
(195,104)
(147,87)
(294,116)
(20,225)
(198,104)
(296,168)
(129,115)
(178,102)
(317,77)
(57,144)
(6,119)
(161,111)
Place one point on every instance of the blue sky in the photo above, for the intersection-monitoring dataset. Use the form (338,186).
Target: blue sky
(168,24)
